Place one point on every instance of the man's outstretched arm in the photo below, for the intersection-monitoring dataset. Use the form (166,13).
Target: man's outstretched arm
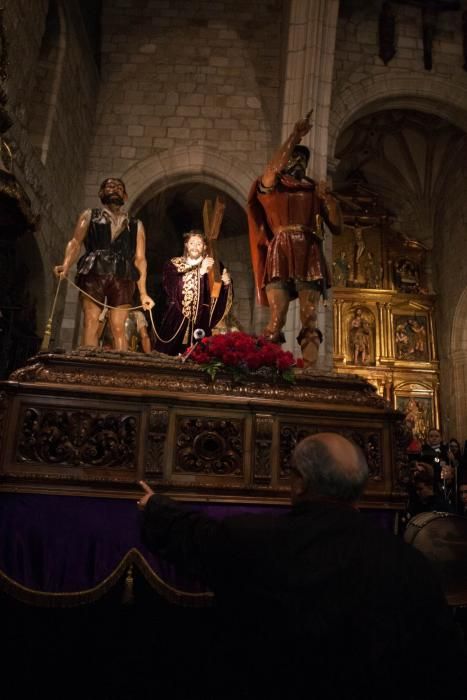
(191,540)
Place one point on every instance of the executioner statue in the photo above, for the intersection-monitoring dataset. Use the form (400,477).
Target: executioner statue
(286,210)
(113,264)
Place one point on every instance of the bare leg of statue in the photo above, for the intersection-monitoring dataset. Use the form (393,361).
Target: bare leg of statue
(310,336)
(118,317)
(278,306)
(91,325)
(145,340)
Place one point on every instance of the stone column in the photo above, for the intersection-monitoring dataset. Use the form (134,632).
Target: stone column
(456,403)
(308,85)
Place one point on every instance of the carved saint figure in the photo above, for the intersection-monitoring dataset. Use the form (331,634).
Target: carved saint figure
(407,277)
(416,419)
(401,341)
(358,258)
(411,339)
(372,272)
(419,345)
(341,270)
(360,338)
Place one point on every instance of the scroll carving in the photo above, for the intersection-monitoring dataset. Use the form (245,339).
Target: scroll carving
(77,438)
(263,443)
(158,422)
(290,436)
(209,446)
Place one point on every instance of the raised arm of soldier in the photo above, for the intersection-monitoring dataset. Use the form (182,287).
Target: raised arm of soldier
(74,244)
(284,153)
(142,267)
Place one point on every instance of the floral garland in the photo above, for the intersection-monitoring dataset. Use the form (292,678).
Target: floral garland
(242,355)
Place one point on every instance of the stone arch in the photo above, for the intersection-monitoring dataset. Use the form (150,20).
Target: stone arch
(433,95)
(458,358)
(146,179)
(182,166)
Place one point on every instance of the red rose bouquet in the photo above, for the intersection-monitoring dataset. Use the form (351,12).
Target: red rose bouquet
(243,355)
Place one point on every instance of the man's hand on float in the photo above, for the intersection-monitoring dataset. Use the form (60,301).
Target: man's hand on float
(206,265)
(148,492)
(225,277)
(147,302)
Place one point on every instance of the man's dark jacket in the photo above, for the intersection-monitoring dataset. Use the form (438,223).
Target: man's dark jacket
(316,598)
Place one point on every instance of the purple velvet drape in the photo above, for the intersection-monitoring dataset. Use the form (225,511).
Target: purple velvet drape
(63,544)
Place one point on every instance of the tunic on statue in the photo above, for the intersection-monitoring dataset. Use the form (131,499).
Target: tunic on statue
(189,306)
(286,234)
(107,269)
(105,256)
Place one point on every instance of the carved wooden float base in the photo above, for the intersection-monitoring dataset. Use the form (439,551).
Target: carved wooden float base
(95,423)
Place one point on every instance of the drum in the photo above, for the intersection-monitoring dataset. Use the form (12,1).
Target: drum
(442,538)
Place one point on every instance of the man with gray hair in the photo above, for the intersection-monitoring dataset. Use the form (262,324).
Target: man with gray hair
(328,466)
(317,597)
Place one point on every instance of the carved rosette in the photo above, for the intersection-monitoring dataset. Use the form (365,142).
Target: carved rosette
(209,446)
(263,444)
(77,438)
(368,440)
(158,422)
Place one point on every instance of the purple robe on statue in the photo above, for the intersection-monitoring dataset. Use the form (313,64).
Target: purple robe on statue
(189,306)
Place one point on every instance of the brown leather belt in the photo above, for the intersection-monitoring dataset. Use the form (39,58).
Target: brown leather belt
(297,228)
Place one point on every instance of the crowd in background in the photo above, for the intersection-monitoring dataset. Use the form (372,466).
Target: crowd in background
(436,478)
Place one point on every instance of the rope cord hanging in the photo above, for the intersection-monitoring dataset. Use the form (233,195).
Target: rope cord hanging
(48,330)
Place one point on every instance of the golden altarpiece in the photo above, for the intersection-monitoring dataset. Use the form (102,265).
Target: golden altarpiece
(383,313)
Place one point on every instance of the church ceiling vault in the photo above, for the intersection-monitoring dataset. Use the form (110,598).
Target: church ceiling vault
(408,157)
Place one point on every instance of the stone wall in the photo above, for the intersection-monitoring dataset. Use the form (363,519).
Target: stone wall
(189,89)
(50,165)
(362,83)
(181,73)
(450,269)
